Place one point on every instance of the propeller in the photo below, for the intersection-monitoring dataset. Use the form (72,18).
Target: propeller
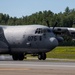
(55,25)
(47,23)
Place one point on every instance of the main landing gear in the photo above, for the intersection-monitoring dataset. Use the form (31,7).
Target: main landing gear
(42,56)
(18,56)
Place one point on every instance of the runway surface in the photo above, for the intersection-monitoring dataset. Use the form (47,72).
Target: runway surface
(36,67)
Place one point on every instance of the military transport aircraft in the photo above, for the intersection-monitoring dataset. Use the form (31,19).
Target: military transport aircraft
(29,39)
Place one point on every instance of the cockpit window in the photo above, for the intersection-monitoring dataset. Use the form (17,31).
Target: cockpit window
(42,31)
(38,31)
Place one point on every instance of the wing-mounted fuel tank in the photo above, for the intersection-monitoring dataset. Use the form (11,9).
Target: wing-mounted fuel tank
(3,43)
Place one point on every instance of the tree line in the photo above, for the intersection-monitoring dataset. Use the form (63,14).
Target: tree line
(63,19)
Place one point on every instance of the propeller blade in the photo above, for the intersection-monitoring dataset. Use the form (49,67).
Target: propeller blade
(47,23)
(55,25)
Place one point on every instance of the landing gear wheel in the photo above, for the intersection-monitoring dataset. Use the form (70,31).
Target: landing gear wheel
(42,56)
(15,57)
(21,57)
(18,56)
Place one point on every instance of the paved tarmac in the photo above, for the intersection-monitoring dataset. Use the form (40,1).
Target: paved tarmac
(36,67)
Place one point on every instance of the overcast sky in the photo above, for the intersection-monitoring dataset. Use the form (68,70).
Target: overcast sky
(19,8)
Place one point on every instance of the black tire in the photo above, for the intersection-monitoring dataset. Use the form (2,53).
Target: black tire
(21,57)
(15,57)
(42,56)
(18,56)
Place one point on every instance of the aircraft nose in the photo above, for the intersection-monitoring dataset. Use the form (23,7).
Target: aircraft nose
(54,42)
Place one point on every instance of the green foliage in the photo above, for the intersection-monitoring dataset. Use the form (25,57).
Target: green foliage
(64,19)
(62,52)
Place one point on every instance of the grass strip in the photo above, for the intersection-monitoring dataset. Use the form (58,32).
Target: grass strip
(66,52)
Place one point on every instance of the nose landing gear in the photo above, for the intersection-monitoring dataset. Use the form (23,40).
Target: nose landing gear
(42,56)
